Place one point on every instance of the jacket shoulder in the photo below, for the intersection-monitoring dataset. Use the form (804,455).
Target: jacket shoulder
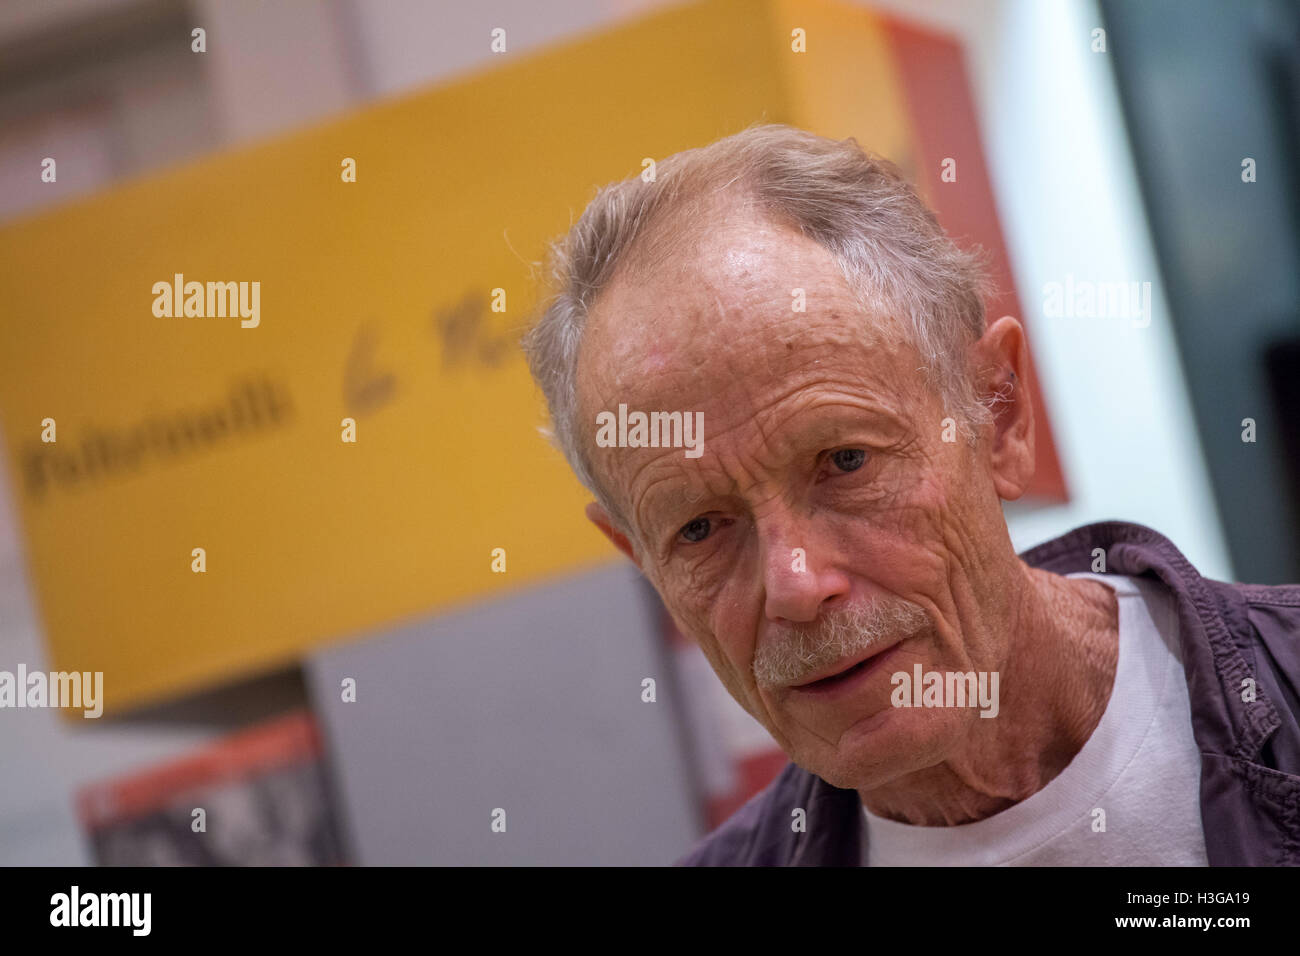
(1264,617)
(1277,595)
(751,835)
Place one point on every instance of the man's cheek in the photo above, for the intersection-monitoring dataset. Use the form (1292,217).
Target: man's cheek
(916,536)
(690,614)
(733,670)
(693,603)
(733,646)
(921,503)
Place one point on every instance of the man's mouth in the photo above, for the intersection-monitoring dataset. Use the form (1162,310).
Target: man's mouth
(847,673)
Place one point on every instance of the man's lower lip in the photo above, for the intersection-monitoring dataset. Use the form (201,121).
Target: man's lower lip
(848,680)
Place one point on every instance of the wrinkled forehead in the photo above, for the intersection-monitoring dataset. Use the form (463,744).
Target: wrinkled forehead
(751,302)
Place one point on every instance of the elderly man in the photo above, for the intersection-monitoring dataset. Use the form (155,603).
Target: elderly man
(835,542)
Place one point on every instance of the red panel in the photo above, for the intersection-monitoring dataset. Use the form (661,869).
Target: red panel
(756,772)
(932,72)
(285,740)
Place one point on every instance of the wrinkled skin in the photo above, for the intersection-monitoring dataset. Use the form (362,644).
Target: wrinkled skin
(712,330)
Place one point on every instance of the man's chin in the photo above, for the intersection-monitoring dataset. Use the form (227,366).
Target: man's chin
(875,750)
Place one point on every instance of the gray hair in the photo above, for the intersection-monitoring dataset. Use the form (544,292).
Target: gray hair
(890,247)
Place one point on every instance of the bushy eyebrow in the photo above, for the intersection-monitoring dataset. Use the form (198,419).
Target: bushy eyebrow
(832,422)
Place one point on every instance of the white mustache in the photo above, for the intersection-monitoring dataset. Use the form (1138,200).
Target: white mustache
(792,654)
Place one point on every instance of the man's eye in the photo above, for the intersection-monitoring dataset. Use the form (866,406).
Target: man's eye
(849,459)
(696,529)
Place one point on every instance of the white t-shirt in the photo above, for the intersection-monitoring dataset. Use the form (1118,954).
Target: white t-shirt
(1141,767)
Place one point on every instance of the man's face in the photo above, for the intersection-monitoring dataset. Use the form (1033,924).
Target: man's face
(827,524)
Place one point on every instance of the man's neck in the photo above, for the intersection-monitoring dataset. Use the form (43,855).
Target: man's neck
(1059,668)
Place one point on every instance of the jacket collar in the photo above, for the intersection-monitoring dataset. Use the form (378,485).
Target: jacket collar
(1209,616)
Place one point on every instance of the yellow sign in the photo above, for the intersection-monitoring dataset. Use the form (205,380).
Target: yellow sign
(196,344)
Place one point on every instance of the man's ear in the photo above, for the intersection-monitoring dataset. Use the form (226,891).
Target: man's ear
(600,518)
(1001,365)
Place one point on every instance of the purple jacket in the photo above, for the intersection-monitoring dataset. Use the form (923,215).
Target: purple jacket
(1250,751)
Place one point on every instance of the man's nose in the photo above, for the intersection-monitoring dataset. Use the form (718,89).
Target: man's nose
(800,574)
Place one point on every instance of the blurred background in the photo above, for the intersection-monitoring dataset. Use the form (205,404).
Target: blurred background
(411,647)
